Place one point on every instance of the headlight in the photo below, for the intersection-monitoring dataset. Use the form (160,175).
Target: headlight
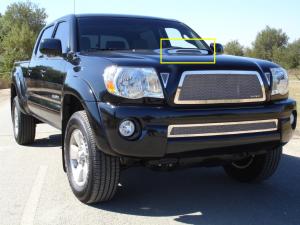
(280,84)
(132,82)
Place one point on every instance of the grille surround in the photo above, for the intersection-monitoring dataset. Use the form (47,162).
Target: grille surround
(180,88)
(244,127)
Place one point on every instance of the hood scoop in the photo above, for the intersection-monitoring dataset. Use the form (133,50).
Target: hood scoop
(188,51)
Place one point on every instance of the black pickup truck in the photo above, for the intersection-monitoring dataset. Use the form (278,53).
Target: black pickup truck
(100,80)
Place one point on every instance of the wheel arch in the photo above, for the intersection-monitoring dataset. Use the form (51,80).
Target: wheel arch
(77,96)
(18,87)
(13,92)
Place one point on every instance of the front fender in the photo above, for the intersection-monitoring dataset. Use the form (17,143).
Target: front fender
(79,88)
(18,81)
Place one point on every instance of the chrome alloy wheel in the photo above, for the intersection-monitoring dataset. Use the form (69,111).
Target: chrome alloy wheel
(79,157)
(16,121)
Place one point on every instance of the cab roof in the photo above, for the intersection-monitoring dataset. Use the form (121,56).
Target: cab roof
(113,16)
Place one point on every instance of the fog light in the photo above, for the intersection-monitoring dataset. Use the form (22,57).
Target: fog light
(292,119)
(127,128)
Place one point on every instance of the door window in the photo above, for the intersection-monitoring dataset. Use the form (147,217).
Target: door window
(47,33)
(62,33)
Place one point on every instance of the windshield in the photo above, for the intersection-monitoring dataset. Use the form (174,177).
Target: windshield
(121,33)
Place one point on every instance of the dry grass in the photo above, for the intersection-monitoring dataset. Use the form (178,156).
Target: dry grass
(4,83)
(294,74)
(294,93)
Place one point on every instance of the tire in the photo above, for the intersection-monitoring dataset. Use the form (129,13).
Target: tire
(98,175)
(23,125)
(256,168)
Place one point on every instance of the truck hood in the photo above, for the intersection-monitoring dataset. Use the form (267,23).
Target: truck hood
(152,58)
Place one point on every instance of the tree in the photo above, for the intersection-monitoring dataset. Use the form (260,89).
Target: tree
(293,54)
(288,57)
(234,48)
(1,30)
(19,27)
(27,12)
(268,41)
(18,46)
(249,52)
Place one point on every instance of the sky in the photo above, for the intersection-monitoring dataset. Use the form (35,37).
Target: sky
(224,20)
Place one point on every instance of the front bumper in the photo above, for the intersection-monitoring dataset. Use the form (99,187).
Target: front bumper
(154,122)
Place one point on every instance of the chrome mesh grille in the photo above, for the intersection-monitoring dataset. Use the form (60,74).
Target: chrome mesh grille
(213,129)
(204,87)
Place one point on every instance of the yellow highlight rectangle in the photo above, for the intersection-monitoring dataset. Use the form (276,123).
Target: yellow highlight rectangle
(187,39)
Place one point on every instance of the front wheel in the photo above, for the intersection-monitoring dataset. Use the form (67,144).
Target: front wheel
(255,168)
(93,175)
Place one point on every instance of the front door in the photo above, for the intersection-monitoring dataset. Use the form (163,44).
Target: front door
(54,75)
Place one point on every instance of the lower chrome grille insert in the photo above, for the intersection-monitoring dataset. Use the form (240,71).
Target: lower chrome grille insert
(227,128)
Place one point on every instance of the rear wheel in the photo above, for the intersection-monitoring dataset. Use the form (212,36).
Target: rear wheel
(255,168)
(93,175)
(23,125)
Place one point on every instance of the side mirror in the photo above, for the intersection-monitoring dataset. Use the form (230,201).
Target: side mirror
(219,48)
(51,47)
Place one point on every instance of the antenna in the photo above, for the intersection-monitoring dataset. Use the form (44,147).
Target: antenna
(74,6)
